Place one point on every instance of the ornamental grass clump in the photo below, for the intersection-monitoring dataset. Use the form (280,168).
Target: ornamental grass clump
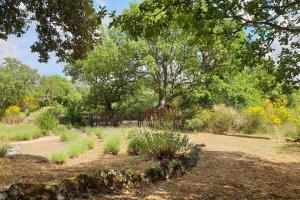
(158,144)
(19,132)
(60,157)
(69,136)
(99,132)
(112,144)
(222,119)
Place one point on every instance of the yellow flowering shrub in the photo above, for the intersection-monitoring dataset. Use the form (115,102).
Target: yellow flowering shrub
(13,111)
(13,115)
(275,113)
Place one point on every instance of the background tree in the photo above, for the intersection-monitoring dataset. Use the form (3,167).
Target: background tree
(16,81)
(57,89)
(263,21)
(110,71)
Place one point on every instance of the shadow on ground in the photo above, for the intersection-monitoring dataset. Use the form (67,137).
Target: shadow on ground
(226,175)
(219,175)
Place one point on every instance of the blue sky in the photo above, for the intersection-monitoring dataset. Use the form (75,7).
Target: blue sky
(20,47)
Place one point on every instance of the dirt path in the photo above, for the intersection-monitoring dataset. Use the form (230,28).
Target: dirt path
(266,149)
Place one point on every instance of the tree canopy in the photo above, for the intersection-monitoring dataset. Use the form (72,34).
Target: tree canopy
(65,27)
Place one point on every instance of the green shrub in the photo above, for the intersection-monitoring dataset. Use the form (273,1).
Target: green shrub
(33,117)
(59,157)
(3,150)
(222,119)
(47,121)
(112,144)
(136,145)
(158,144)
(200,121)
(19,132)
(155,173)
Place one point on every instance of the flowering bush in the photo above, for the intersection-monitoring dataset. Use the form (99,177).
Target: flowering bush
(28,104)
(13,111)
(13,114)
(274,113)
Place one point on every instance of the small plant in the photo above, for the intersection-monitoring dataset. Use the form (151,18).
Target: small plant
(200,121)
(112,144)
(136,145)
(59,157)
(47,121)
(155,173)
(3,150)
(69,136)
(99,132)
(90,143)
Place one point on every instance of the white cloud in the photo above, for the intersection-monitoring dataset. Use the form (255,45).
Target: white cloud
(8,49)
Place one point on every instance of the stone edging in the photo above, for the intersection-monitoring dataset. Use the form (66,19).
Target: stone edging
(102,182)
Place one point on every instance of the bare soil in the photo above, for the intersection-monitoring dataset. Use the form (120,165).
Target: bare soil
(230,168)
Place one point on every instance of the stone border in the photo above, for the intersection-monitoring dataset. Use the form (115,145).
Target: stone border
(103,182)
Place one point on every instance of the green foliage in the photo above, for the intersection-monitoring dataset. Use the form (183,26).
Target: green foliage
(156,173)
(112,144)
(59,157)
(19,132)
(112,64)
(47,121)
(4,149)
(69,136)
(56,89)
(137,144)
(66,20)
(200,122)
(222,119)
(158,144)
(34,116)
(239,91)
(99,132)
(78,145)
(142,100)
(16,81)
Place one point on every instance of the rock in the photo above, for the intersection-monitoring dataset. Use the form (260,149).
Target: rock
(15,149)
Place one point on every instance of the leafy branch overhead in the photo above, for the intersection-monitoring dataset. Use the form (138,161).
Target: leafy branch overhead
(66,27)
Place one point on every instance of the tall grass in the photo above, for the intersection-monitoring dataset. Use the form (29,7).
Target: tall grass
(78,145)
(19,132)
(59,157)
(69,136)
(3,150)
(99,132)
(112,144)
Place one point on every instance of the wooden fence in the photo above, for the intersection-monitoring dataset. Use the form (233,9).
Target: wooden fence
(168,117)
